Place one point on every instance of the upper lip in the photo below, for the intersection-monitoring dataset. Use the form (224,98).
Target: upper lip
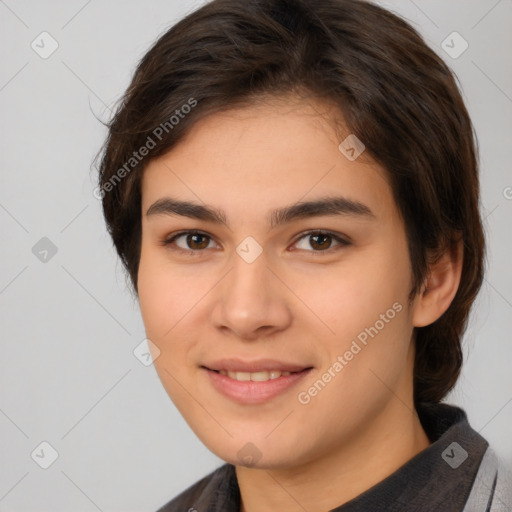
(257,365)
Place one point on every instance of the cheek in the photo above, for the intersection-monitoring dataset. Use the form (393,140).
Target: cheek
(165,297)
(365,307)
(166,293)
(350,297)
(172,301)
(364,370)
(156,302)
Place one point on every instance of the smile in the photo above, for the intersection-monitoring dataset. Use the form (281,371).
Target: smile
(254,383)
(255,376)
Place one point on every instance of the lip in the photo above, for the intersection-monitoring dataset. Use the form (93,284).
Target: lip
(258,365)
(254,392)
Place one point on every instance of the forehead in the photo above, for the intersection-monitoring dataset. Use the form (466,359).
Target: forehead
(261,157)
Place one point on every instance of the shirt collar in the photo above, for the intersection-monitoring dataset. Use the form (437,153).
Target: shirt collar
(438,478)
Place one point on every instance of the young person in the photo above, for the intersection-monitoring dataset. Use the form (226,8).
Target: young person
(292,186)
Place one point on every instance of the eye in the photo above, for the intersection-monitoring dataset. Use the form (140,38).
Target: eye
(320,241)
(193,242)
(190,241)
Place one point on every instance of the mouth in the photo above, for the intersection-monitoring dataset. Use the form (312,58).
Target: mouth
(254,383)
(260,376)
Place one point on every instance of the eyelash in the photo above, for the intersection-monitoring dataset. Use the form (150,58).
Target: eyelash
(196,252)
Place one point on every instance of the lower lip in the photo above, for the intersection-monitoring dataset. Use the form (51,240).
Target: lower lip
(253,392)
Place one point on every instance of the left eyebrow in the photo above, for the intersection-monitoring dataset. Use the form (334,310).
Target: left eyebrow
(320,207)
(326,206)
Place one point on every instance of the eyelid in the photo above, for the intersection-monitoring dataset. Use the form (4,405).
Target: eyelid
(342,240)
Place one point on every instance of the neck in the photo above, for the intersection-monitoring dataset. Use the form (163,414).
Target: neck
(331,480)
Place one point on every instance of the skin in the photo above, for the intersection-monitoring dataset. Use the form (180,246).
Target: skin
(295,302)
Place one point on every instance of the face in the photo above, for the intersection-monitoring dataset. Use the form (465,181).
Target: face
(273,282)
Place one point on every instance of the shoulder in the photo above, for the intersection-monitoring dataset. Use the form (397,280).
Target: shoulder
(492,486)
(219,486)
(503,491)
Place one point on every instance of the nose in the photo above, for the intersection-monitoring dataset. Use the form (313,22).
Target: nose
(251,303)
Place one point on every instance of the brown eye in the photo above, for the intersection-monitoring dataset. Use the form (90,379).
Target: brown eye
(189,241)
(320,242)
(196,241)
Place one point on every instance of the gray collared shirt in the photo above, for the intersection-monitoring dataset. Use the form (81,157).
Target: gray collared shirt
(448,476)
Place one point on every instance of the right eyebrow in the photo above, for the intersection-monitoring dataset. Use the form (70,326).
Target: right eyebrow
(169,206)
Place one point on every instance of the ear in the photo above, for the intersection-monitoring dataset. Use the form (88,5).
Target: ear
(439,287)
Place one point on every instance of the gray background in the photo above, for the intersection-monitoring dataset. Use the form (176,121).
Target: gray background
(69,327)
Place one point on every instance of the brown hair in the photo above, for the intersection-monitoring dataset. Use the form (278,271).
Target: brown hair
(394,93)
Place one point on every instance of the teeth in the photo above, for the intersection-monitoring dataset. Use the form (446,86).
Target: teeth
(254,376)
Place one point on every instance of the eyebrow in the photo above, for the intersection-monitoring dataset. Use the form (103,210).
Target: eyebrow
(320,207)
